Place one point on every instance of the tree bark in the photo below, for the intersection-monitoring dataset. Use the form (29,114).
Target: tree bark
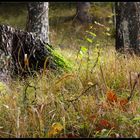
(83,12)
(128,26)
(38,19)
(22,53)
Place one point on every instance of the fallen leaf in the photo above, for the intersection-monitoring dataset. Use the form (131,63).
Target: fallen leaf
(104,123)
(55,129)
(90,83)
(111,96)
(123,102)
(92,117)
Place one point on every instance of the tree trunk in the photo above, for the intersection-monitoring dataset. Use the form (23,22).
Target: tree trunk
(38,19)
(23,53)
(128,26)
(83,12)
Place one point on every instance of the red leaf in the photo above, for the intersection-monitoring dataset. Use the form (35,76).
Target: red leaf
(123,102)
(92,117)
(104,123)
(111,96)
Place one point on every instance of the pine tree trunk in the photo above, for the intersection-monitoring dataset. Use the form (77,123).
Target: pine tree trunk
(38,19)
(83,12)
(128,26)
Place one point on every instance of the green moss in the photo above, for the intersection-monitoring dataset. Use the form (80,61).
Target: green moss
(59,60)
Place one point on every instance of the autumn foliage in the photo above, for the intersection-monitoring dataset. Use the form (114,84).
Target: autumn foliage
(112,97)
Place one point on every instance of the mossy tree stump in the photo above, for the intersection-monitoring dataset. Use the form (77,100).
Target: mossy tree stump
(24,52)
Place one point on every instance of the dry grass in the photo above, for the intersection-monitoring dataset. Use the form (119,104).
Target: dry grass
(74,104)
(74,101)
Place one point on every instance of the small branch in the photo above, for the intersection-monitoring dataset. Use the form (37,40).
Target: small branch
(133,88)
(9,134)
(64,77)
(95,62)
(102,74)
(25,92)
(82,93)
(130,80)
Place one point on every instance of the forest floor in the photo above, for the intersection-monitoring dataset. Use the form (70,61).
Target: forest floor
(90,101)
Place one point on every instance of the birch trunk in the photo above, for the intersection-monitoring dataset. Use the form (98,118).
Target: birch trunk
(38,19)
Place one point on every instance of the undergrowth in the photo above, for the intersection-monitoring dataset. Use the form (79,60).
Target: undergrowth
(99,97)
(82,103)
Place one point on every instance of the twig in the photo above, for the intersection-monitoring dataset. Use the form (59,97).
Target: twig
(75,108)
(25,92)
(130,80)
(8,133)
(133,88)
(95,63)
(82,93)
(18,122)
(102,74)
(64,77)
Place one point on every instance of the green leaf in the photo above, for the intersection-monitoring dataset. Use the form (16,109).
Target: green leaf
(108,34)
(80,55)
(89,40)
(99,24)
(136,119)
(108,29)
(97,45)
(83,49)
(93,34)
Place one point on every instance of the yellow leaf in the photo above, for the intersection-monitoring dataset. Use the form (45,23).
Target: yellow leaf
(90,83)
(55,129)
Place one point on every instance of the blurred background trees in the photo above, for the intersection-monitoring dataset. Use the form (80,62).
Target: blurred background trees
(128,26)
(83,12)
(66,31)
